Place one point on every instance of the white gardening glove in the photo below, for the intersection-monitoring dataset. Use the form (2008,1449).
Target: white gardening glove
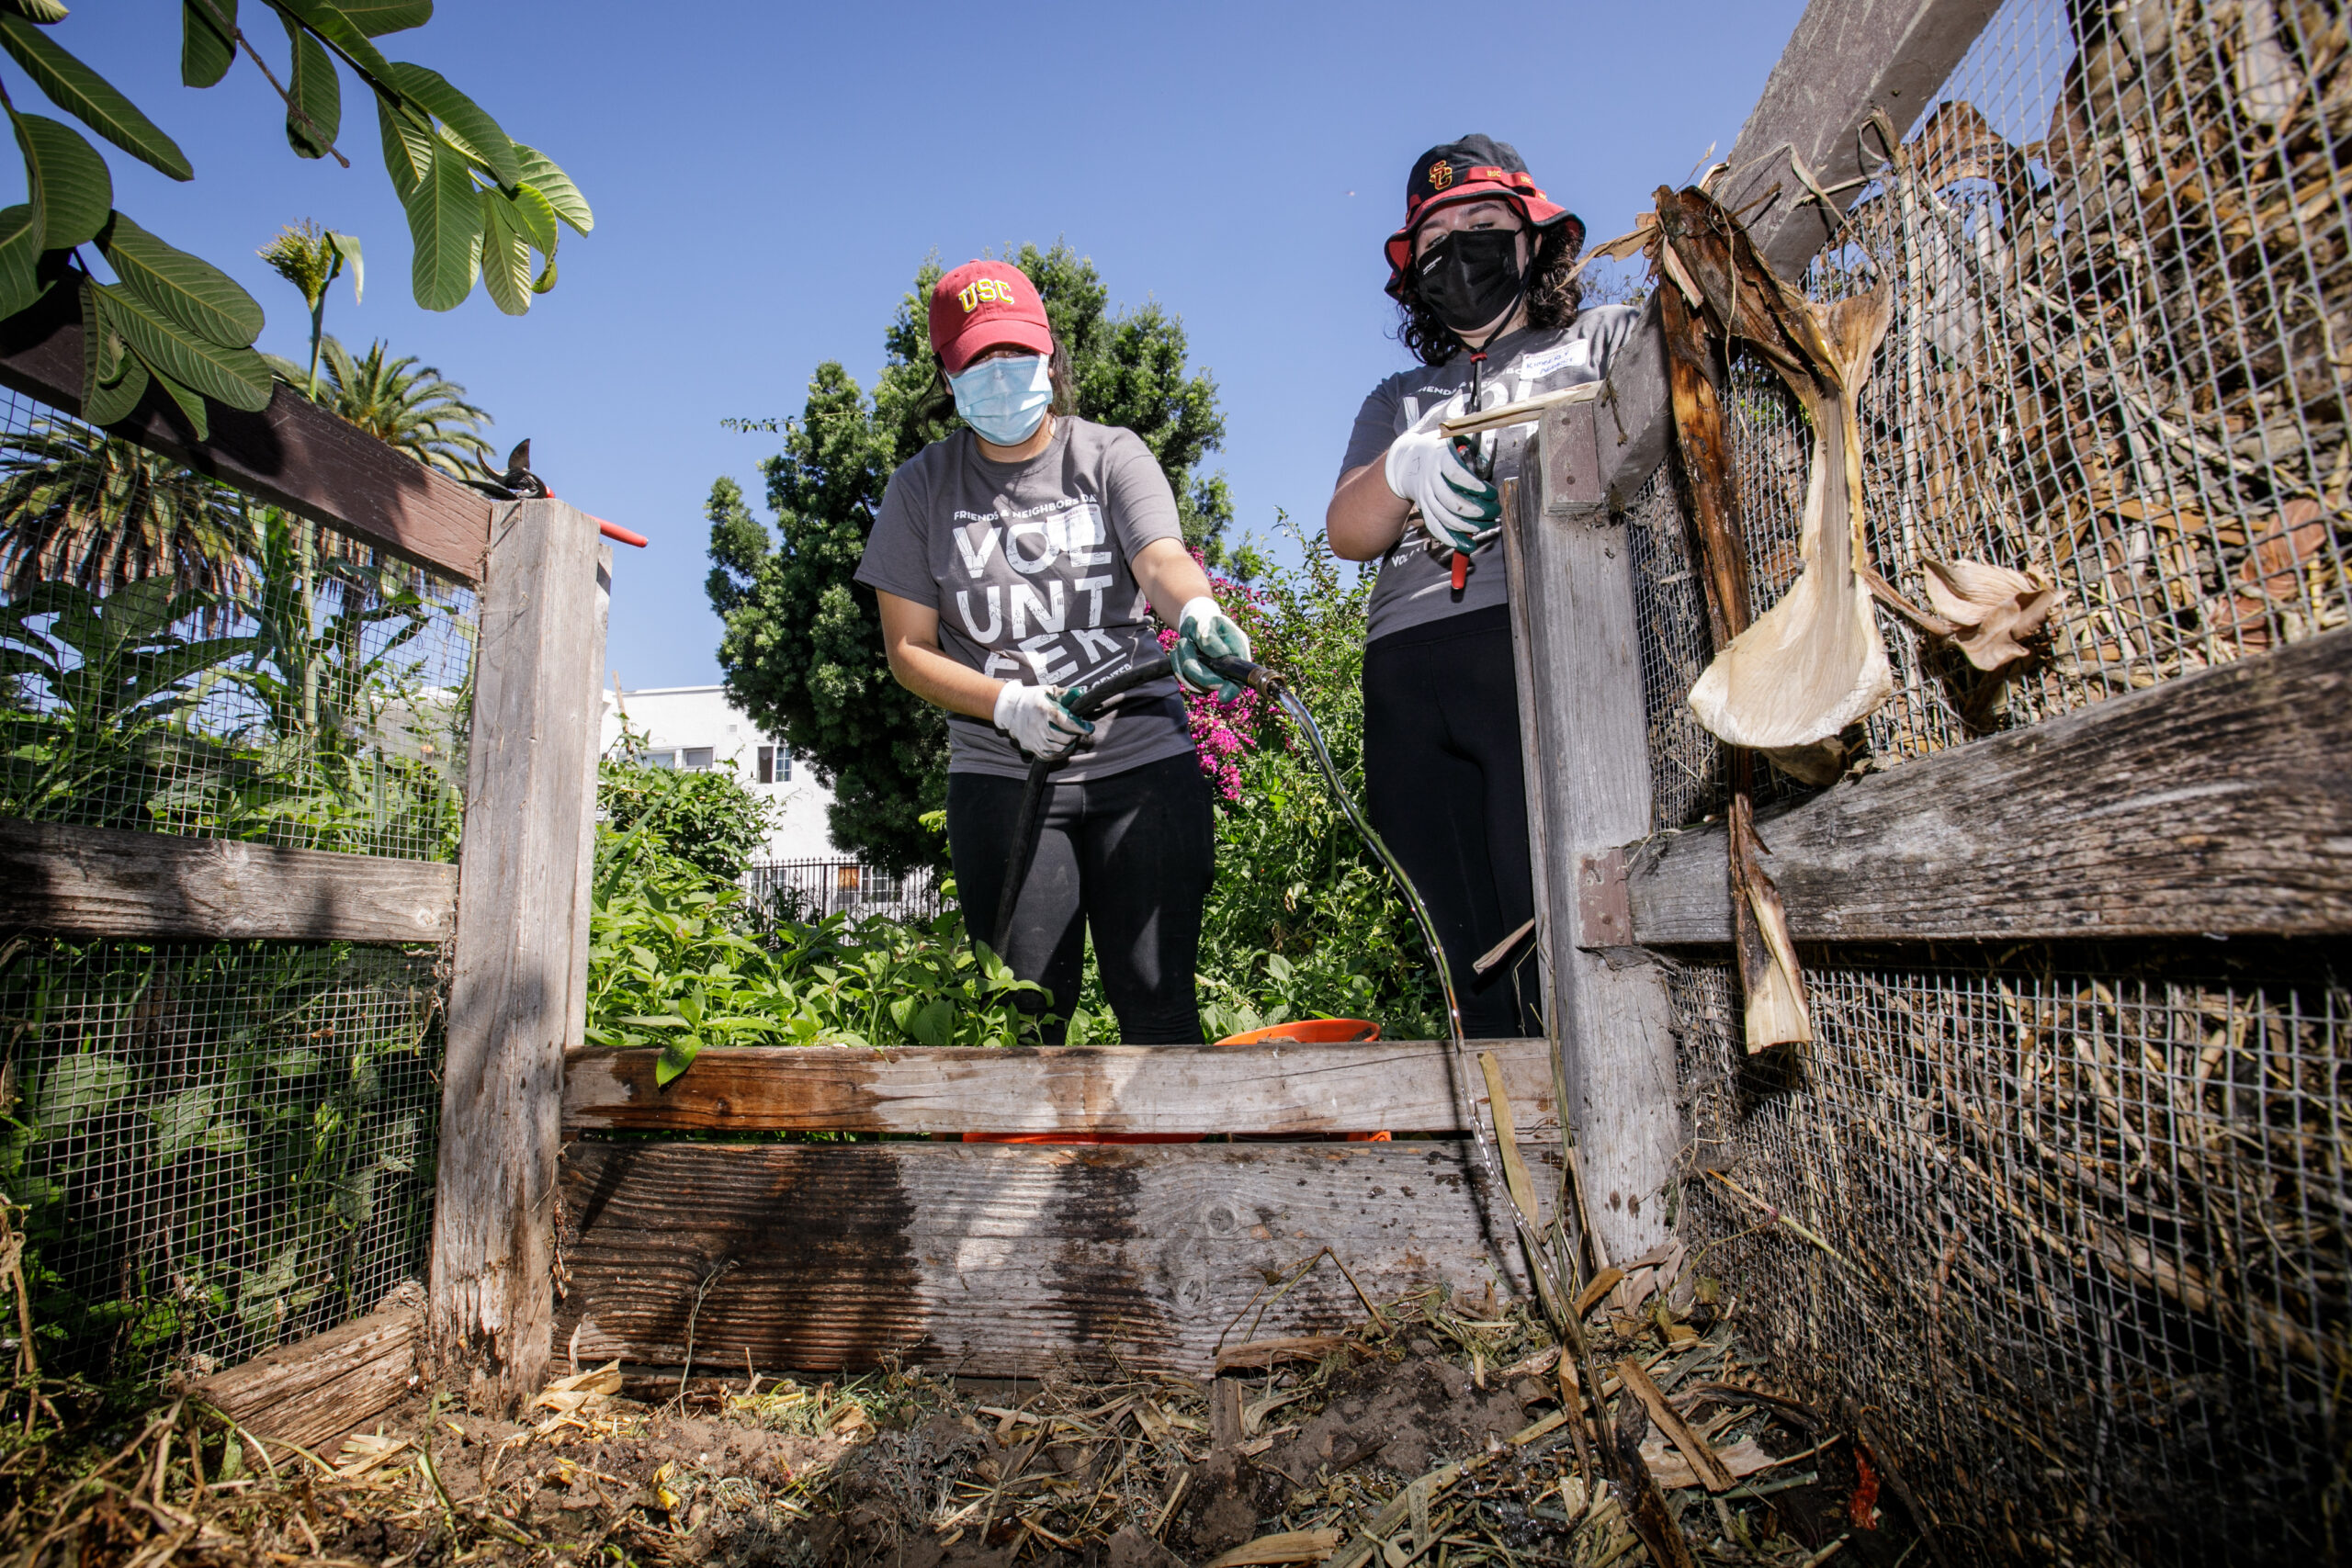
(1432,470)
(1204,631)
(1038,723)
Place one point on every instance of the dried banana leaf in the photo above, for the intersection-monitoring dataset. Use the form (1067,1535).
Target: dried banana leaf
(1814,662)
(1992,608)
(1771,983)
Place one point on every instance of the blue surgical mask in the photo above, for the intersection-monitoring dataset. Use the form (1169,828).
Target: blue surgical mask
(1004,400)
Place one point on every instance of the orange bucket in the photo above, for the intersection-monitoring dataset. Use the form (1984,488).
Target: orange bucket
(1302,1032)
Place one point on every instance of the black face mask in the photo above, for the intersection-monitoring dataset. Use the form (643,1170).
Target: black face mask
(1470,276)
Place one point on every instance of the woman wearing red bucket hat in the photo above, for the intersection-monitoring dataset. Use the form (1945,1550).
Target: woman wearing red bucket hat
(1015,562)
(1482,271)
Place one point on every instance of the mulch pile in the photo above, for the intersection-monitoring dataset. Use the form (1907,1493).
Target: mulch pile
(1432,1435)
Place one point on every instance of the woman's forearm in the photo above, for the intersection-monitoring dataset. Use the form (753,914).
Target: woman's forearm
(1365,519)
(1169,577)
(938,680)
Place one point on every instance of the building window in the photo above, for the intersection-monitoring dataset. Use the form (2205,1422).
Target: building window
(696,759)
(776,765)
(660,758)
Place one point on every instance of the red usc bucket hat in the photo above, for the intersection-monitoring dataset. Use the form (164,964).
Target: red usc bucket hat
(1475,168)
(982,304)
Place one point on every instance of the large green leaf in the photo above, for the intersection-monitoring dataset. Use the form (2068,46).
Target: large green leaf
(206,50)
(90,97)
(530,210)
(540,173)
(505,257)
(115,400)
(377,17)
(193,292)
(347,247)
(445,220)
(113,378)
(70,188)
(191,405)
(470,123)
(316,91)
(19,256)
(408,148)
(344,34)
(45,12)
(233,376)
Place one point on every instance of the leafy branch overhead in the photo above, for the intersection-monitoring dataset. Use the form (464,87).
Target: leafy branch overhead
(480,205)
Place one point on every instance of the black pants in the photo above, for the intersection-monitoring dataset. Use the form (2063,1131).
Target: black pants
(1129,857)
(1445,787)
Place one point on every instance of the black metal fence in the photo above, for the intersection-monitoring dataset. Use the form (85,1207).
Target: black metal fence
(799,890)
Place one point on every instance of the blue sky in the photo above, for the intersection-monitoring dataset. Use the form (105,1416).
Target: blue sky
(766,178)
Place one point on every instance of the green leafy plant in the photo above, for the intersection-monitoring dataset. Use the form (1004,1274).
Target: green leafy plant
(113,676)
(675,961)
(99,512)
(480,205)
(706,819)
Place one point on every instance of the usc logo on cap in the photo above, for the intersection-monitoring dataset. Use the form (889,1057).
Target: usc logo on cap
(1441,175)
(985,291)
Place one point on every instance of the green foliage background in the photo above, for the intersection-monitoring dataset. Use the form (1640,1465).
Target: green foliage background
(802,652)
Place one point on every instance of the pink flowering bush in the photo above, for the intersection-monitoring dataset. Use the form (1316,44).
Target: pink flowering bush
(1223,731)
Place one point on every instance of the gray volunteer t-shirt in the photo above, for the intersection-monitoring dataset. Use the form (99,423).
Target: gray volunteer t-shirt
(1026,564)
(1415,587)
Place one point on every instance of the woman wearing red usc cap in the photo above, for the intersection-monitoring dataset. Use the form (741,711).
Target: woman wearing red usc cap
(1483,273)
(1015,560)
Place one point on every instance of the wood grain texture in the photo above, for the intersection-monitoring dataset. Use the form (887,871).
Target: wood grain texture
(1005,1259)
(1293,1089)
(107,882)
(292,454)
(515,992)
(2219,802)
(1635,420)
(1845,59)
(315,1390)
(1582,726)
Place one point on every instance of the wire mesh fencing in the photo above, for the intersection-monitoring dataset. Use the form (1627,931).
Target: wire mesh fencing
(2066,1233)
(2070,1242)
(219,1147)
(180,657)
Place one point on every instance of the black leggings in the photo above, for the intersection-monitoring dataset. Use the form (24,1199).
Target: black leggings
(1445,787)
(1129,856)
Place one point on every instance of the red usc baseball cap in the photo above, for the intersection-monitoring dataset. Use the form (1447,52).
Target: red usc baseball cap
(982,304)
(1475,168)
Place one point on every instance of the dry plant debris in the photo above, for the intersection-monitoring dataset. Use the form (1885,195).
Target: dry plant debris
(1439,1436)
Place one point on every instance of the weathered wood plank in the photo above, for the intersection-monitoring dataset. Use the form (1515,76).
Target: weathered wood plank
(106,882)
(1003,1259)
(1401,1085)
(516,996)
(1846,58)
(293,453)
(2219,802)
(1584,734)
(1635,417)
(315,1390)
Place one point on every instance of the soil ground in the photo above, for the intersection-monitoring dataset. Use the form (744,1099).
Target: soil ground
(1458,1401)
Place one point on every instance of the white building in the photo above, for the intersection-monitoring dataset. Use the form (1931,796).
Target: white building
(695,728)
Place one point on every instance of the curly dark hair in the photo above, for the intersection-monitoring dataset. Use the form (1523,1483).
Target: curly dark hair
(1553,298)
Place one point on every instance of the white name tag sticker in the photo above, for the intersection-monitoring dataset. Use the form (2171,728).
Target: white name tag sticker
(1566,357)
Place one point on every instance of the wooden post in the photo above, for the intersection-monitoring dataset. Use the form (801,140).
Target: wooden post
(1582,725)
(516,993)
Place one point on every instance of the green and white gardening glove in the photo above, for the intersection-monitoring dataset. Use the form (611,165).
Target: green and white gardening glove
(1039,720)
(1434,470)
(1204,631)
